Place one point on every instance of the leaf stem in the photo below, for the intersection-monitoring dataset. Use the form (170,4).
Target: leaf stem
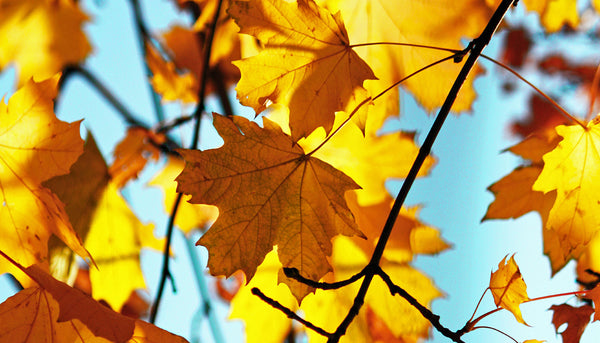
(476,47)
(406,44)
(593,93)
(478,303)
(554,103)
(500,331)
(369,99)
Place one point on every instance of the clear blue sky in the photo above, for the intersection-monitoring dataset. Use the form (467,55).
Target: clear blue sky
(454,195)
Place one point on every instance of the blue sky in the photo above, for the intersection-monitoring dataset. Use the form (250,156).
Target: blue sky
(454,196)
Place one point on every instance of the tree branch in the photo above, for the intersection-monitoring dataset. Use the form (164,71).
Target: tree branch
(289,313)
(476,48)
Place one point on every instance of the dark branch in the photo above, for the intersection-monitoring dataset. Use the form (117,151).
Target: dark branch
(474,53)
(289,313)
(434,319)
(293,273)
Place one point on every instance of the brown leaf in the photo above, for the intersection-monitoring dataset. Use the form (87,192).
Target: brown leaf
(577,318)
(268,193)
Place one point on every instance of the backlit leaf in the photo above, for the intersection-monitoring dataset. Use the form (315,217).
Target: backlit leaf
(34,147)
(41,37)
(508,288)
(577,318)
(55,312)
(307,64)
(189,216)
(115,239)
(268,193)
(571,170)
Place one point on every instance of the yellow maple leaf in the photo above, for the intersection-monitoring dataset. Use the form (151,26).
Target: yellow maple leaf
(40,37)
(571,170)
(171,85)
(34,147)
(409,235)
(268,193)
(440,23)
(189,216)
(258,316)
(555,14)
(54,312)
(307,64)
(115,239)
(508,288)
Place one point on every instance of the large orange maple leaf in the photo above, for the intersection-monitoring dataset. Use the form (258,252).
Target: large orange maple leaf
(307,64)
(34,146)
(269,192)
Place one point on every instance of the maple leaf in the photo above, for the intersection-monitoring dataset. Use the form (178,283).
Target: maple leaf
(185,47)
(189,217)
(403,320)
(570,170)
(555,14)
(409,235)
(328,308)
(258,316)
(56,312)
(167,82)
(440,24)
(577,318)
(115,239)
(508,288)
(34,147)
(41,37)
(354,154)
(269,192)
(307,64)
(594,294)
(133,152)
(80,191)
(111,232)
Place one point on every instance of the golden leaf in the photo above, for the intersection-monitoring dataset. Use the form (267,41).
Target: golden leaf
(41,37)
(307,64)
(508,288)
(34,147)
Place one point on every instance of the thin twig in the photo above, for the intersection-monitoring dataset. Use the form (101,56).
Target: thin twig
(164,274)
(476,48)
(593,93)
(194,145)
(144,37)
(293,273)
(554,103)
(289,313)
(425,312)
(127,115)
